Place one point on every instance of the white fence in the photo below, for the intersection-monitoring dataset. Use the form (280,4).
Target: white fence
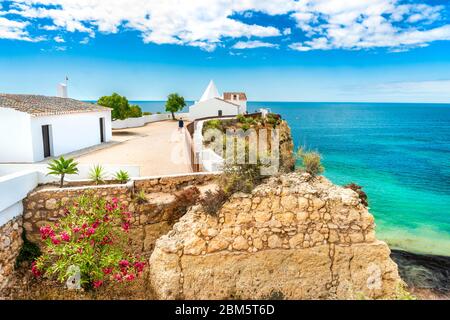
(142,121)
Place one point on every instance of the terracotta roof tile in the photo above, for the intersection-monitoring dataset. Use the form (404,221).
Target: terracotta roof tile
(228,95)
(45,106)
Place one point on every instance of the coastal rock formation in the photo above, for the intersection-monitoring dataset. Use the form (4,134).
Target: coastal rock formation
(292,238)
(287,159)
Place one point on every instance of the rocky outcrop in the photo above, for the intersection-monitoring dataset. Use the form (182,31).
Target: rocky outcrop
(291,238)
(287,159)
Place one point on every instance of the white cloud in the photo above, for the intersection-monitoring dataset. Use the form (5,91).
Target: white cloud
(287,31)
(207,24)
(354,24)
(85,40)
(200,23)
(13,30)
(253,44)
(59,39)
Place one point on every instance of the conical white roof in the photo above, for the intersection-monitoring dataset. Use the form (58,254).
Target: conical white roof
(210,92)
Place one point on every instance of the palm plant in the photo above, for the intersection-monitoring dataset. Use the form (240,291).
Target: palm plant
(122,176)
(97,174)
(61,167)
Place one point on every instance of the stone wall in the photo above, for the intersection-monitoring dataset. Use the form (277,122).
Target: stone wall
(172,183)
(150,220)
(293,237)
(46,205)
(10,244)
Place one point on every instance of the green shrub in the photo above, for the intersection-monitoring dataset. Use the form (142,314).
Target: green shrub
(240,118)
(122,176)
(140,197)
(245,126)
(273,119)
(134,112)
(89,242)
(240,177)
(97,174)
(312,163)
(212,201)
(212,124)
(146,113)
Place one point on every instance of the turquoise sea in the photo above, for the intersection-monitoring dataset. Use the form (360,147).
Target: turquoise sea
(399,153)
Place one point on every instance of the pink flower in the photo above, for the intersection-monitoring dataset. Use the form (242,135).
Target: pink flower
(130,277)
(124,263)
(46,232)
(97,283)
(76,229)
(35,270)
(65,236)
(125,226)
(84,226)
(80,250)
(107,270)
(90,231)
(55,241)
(118,277)
(115,200)
(139,266)
(96,224)
(106,240)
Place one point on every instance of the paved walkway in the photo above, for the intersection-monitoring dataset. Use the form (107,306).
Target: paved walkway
(158,148)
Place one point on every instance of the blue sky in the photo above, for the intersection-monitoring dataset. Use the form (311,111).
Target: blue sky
(278,50)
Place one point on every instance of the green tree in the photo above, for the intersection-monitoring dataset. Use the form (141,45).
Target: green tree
(61,167)
(135,112)
(119,104)
(175,103)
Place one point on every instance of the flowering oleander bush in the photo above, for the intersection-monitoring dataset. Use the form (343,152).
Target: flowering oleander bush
(92,236)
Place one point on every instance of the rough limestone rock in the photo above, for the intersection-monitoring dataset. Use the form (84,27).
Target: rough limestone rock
(290,238)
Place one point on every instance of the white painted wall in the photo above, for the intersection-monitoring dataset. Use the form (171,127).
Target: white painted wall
(211,107)
(69,132)
(13,188)
(15,136)
(142,121)
(211,161)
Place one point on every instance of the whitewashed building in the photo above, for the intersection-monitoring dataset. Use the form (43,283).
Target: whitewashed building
(212,104)
(34,127)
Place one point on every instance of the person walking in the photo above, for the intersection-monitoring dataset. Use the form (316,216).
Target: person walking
(180,125)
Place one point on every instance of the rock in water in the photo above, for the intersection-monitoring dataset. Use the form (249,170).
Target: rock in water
(316,241)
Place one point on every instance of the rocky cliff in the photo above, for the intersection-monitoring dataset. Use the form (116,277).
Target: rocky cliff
(292,238)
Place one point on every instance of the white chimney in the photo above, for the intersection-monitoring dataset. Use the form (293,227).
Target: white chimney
(62,89)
